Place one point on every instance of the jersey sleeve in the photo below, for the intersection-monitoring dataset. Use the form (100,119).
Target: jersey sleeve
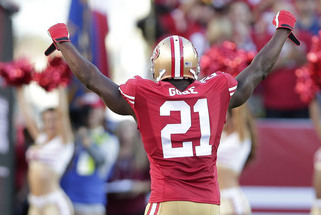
(231,83)
(128,90)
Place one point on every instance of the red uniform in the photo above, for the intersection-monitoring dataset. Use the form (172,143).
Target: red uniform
(181,133)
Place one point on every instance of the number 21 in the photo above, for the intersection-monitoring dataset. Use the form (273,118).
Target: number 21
(186,121)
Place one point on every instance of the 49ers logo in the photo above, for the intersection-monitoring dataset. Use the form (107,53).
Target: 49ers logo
(156,53)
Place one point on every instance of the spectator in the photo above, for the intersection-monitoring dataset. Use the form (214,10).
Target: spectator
(172,17)
(162,21)
(242,19)
(129,182)
(95,154)
(309,19)
(219,29)
(196,16)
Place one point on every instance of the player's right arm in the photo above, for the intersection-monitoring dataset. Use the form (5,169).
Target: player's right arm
(88,73)
(263,62)
(94,80)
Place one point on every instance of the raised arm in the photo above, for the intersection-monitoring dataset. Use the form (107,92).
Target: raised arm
(315,114)
(26,111)
(65,129)
(88,73)
(263,62)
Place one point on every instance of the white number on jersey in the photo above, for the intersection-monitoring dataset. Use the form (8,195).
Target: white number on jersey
(186,150)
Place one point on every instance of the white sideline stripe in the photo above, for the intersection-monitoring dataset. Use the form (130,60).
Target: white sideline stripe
(231,94)
(232,88)
(177,57)
(279,197)
(152,211)
(278,213)
(127,96)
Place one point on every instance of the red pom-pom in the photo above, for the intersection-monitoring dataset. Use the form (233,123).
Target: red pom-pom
(17,73)
(309,76)
(56,74)
(225,57)
(305,86)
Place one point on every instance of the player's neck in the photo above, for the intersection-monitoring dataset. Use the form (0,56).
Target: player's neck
(180,84)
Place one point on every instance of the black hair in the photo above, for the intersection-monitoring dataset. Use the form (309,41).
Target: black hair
(79,116)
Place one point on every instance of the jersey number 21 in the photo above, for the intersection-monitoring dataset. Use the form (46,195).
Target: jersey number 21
(186,150)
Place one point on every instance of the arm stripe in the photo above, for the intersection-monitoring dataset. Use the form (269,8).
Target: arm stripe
(232,88)
(127,96)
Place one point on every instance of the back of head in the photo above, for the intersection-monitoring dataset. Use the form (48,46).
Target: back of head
(175,58)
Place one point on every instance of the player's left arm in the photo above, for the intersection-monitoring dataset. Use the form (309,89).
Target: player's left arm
(263,62)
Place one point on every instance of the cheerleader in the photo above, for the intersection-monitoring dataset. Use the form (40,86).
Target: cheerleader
(235,150)
(315,115)
(48,157)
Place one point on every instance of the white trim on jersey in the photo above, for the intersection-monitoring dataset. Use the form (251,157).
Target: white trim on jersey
(154,206)
(277,19)
(161,73)
(194,73)
(177,56)
(232,90)
(131,99)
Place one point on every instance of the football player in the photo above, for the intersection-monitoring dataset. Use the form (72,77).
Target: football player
(180,118)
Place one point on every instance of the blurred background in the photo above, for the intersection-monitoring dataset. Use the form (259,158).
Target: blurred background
(118,37)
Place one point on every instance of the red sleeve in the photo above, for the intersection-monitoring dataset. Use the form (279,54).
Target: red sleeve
(231,83)
(128,90)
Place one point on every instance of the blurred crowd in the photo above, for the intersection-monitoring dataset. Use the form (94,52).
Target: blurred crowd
(108,172)
(247,23)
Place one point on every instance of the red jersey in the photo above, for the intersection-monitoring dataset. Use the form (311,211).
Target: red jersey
(181,131)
